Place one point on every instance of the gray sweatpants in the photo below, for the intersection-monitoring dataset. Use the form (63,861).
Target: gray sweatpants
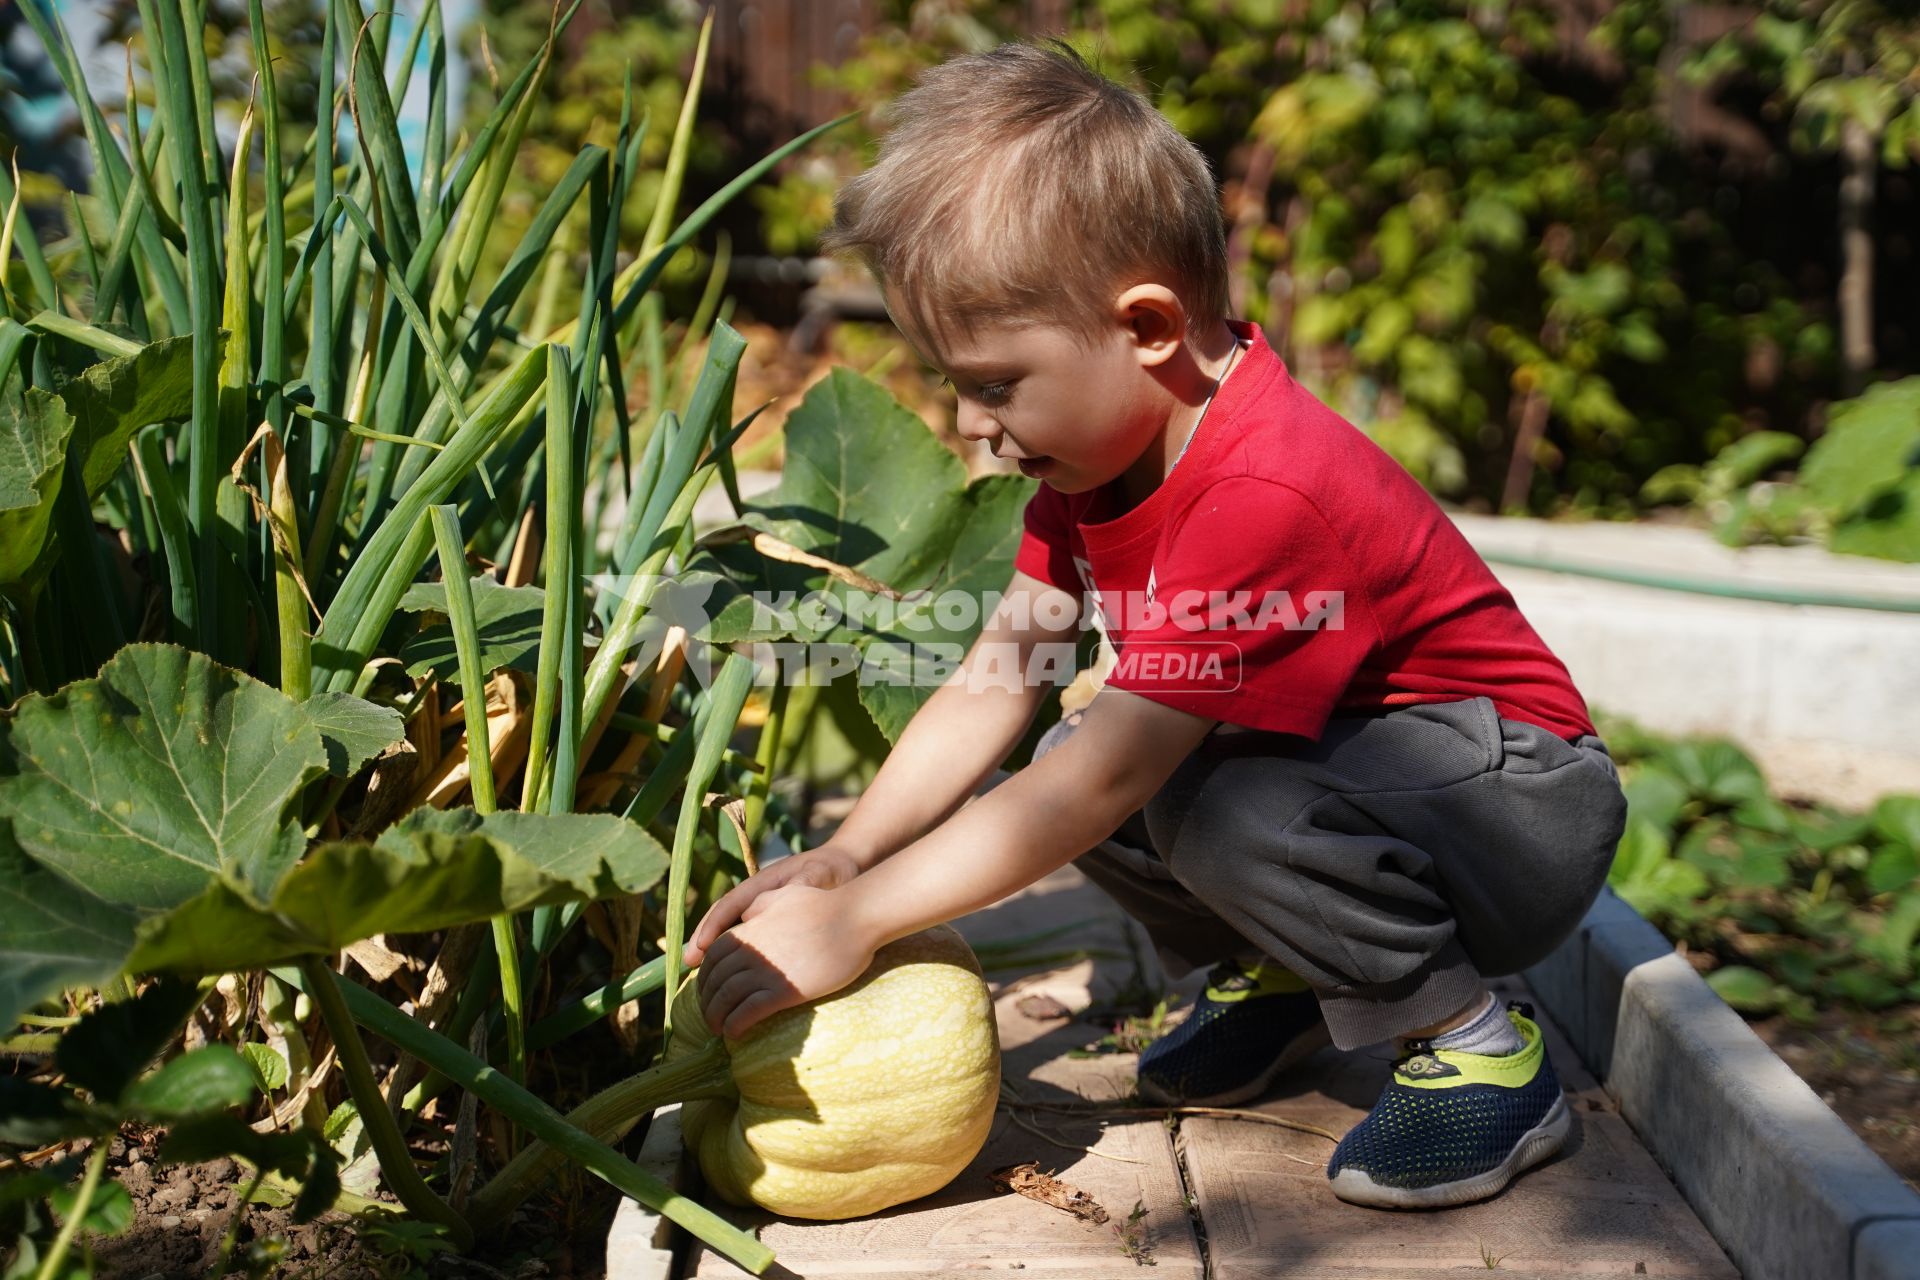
(1392,865)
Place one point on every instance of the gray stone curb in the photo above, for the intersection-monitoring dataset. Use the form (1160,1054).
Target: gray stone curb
(640,1243)
(1785,1187)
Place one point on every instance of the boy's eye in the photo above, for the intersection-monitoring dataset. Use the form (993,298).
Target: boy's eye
(993,395)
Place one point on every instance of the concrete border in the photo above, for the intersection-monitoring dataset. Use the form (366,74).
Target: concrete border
(1785,1187)
(642,1245)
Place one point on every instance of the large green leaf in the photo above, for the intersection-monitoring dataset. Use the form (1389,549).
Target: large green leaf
(151,821)
(162,771)
(1897,817)
(1868,446)
(864,485)
(433,871)
(34,428)
(508,619)
(120,395)
(868,487)
(1888,526)
(53,934)
(980,562)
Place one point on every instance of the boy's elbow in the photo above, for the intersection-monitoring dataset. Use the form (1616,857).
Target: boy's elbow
(1138,743)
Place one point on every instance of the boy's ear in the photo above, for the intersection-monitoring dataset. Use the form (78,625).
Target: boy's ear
(1155,320)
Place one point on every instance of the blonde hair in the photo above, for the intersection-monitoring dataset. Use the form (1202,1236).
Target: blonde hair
(1021,185)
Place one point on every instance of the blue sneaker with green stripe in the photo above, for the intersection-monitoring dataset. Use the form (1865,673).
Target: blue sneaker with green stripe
(1253,1021)
(1454,1127)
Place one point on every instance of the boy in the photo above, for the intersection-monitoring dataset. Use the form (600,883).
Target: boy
(1332,760)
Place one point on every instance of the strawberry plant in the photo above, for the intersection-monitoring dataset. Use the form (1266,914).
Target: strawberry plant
(1802,905)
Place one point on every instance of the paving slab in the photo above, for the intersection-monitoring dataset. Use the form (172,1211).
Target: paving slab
(1602,1207)
(1258,1191)
(1119,1161)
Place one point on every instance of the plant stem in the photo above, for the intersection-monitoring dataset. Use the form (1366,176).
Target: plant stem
(607,1116)
(20,1046)
(396,1162)
(539,1119)
(506,946)
(766,755)
(232,1237)
(89,1183)
(473,688)
(595,1005)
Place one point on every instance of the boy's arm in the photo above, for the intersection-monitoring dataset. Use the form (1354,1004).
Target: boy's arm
(799,943)
(1035,822)
(962,734)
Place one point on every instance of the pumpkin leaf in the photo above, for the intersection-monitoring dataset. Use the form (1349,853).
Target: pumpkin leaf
(168,786)
(34,427)
(164,770)
(113,399)
(980,564)
(508,618)
(867,487)
(352,730)
(433,870)
(1888,526)
(53,933)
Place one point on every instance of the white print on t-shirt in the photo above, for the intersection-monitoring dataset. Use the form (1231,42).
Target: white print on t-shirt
(1085,569)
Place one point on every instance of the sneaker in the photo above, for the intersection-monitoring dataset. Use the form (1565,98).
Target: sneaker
(1454,1127)
(1251,1023)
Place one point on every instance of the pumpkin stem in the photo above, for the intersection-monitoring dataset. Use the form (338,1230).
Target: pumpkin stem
(705,1073)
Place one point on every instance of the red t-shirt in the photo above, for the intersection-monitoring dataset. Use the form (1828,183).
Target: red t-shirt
(1288,569)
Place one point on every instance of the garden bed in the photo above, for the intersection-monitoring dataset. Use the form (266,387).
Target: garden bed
(1867,1068)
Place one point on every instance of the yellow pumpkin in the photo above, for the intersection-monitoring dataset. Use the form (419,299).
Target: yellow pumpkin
(875,1095)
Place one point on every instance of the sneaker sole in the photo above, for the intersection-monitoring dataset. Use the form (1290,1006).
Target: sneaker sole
(1540,1142)
(1304,1046)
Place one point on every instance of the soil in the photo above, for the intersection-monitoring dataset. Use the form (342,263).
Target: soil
(1866,1066)
(182,1213)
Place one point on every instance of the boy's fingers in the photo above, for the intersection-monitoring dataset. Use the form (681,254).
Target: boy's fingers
(750,1012)
(721,914)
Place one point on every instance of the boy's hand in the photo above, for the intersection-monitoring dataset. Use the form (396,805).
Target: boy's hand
(827,867)
(799,945)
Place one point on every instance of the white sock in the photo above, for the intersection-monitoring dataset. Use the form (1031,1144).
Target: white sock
(1487,1032)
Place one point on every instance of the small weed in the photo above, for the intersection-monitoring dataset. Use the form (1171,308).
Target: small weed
(1134,1237)
(406,1246)
(1130,1033)
(1489,1257)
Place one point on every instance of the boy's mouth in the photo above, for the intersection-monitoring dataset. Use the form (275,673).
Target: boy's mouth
(1034,468)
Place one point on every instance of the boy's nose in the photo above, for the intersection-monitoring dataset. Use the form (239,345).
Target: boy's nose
(975,423)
